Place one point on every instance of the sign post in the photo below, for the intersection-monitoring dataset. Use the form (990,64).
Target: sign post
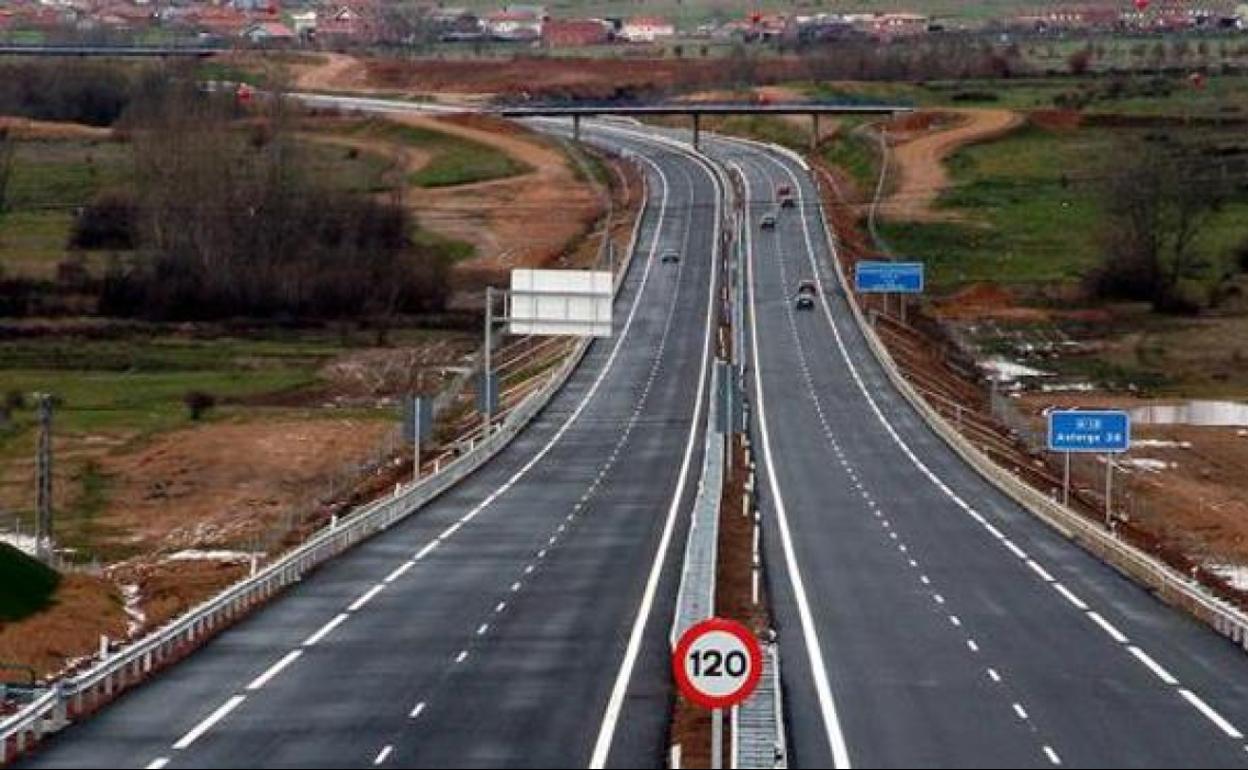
(878,277)
(717,664)
(1105,432)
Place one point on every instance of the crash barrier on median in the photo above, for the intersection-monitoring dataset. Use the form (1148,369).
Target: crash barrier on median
(1168,584)
(695,600)
(758,724)
(79,696)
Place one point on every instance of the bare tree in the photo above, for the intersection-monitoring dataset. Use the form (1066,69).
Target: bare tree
(1158,196)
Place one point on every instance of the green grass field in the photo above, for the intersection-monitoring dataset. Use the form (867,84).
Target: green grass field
(454,160)
(28,584)
(1029,205)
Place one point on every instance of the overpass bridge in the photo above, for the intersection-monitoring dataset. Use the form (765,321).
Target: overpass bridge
(697,110)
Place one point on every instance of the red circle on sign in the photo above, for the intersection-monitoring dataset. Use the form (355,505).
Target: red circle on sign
(705,630)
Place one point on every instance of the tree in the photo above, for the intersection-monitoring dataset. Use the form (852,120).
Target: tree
(8,146)
(1158,196)
(198,403)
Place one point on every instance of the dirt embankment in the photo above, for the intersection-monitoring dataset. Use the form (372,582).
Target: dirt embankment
(920,145)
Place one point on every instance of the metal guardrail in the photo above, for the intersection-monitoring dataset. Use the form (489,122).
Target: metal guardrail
(81,695)
(1170,585)
(758,739)
(695,600)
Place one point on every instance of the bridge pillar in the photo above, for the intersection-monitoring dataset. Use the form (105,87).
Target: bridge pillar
(576,128)
(697,131)
(814,131)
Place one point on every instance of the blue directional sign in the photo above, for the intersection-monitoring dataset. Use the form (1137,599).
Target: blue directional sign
(1089,431)
(896,277)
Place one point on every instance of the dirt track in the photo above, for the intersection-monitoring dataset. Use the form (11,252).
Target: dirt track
(918,163)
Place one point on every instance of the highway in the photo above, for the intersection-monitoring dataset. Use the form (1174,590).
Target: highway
(519,620)
(924,618)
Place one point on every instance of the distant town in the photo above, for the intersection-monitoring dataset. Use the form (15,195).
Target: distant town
(346,23)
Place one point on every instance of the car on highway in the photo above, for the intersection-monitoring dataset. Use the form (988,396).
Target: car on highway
(768,222)
(784,194)
(669,256)
(806,293)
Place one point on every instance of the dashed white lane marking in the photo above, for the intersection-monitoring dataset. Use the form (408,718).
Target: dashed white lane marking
(1211,715)
(221,713)
(482,629)
(1152,665)
(971,645)
(398,571)
(1108,628)
(994,676)
(383,755)
(1014,549)
(416,710)
(366,597)
(515,586)
(1070,597)
(1052,755)
(158,763)
(955,620)
(462,656)
(1041,571)
(1018,709)
(274,670)
(324,630)
(500,606)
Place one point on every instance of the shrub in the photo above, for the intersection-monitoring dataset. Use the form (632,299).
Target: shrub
(198,403)
(109,222)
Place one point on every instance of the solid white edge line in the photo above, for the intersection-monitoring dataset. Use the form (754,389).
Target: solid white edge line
(274,670)
(615,704)
(814,649)
(209,721)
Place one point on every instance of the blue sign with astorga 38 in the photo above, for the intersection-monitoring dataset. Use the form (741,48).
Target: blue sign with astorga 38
(898,277)
(1089,431)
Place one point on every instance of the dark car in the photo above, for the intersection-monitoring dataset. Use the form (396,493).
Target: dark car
(768,222)
(670,257)
(807,290)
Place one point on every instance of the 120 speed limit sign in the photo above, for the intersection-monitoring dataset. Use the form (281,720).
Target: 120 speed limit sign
(717,663)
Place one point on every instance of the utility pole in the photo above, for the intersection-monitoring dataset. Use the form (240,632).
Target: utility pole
(43,474)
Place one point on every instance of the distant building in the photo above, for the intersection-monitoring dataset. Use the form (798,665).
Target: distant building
(647,29)
(272,33)
(573,33)
(513,25)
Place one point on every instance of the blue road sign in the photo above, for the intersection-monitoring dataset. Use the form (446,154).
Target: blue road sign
(898,277)
(1089,431)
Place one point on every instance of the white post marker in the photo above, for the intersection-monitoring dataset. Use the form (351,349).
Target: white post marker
(717,664)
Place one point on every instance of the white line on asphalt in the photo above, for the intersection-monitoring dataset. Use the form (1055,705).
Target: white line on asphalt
(482,629)
(366,597)
(970,643)
(1211,715)
(1044,575)
(383,754)
(1019,552)
(615,705)
(1018,709)
(274,670)
(500,606)
(419,707)
(993,675)
(221,713)
(1153,665)
(399,570)
(462,656)
(1052,755)
(157,763)
(1070,597)
(955,620)
(814,649)
(1108,628)
(515,586)
(324,630)
(423,552)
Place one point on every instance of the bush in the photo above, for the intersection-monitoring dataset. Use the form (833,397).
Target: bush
(198,403)
(109,222)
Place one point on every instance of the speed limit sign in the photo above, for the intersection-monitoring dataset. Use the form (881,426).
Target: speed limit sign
(717,663)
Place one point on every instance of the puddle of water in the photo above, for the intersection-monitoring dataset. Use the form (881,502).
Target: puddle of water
(1205,413)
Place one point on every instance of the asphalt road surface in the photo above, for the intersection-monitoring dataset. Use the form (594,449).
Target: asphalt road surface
(519,620)
(924,618)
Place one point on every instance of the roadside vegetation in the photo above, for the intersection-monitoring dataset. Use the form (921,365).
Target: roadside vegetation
(28,584)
